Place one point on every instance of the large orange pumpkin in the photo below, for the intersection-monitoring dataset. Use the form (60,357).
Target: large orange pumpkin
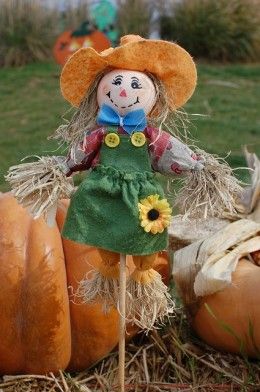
(41,329)
(229,320)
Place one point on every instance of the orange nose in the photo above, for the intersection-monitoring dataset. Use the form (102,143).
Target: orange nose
(123,93)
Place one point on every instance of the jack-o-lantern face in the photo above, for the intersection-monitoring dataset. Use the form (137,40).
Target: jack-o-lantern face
(126,91)
(68,43)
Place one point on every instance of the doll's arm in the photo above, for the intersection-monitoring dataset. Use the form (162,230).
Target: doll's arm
(212,191)
(82,156)
(39,185)
(169,155)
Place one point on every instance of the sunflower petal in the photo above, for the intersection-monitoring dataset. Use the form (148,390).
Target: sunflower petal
(152,202)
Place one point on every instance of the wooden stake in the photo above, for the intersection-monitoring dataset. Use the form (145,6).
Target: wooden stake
(122,290)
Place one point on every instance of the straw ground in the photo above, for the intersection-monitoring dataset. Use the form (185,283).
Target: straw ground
(169,359)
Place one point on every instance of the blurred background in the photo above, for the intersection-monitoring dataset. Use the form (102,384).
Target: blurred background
(37,36)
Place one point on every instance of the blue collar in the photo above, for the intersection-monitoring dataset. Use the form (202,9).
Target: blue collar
(132,121)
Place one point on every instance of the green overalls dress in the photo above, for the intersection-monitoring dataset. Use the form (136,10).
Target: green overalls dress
(104,210)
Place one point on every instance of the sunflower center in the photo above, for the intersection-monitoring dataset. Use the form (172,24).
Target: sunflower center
(153,214)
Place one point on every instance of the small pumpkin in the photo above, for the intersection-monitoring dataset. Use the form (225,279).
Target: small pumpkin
(229,320)
(70,41)
(41,329)
(217,272)
(217,277)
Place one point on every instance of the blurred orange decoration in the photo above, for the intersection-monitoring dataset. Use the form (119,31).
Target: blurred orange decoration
(70,41)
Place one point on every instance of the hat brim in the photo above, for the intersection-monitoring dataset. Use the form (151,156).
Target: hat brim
(167,61)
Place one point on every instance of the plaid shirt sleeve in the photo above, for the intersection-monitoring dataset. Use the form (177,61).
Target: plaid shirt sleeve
(169,155)
(86,154)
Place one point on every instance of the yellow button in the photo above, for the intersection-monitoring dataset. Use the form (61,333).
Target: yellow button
(112,139)
(138,139)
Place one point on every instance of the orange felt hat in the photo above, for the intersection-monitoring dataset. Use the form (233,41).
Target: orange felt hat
(167,61)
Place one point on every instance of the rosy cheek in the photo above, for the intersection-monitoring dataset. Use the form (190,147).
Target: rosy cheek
(105,88)
(142,94)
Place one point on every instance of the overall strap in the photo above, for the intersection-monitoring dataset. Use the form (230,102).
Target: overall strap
(124,152)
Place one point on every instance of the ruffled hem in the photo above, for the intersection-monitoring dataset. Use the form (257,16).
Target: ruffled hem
(124,175)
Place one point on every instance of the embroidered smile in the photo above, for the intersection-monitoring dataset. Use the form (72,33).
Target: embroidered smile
(122,107)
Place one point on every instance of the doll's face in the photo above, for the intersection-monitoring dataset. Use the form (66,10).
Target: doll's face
(126,91)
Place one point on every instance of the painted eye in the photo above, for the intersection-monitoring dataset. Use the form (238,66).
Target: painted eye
(135,85)
(117,82)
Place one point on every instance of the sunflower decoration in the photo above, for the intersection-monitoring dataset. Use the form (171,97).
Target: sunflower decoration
(155,214)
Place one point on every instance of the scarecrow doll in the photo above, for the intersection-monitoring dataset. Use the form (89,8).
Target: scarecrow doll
(127,100)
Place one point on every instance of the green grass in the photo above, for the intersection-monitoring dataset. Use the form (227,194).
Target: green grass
(31,108)
(229,96)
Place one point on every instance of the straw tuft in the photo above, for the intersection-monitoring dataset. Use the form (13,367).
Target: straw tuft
(39,185)
(148,303)
(97,287)
(212,191)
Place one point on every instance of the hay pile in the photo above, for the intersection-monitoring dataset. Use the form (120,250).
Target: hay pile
(170,359)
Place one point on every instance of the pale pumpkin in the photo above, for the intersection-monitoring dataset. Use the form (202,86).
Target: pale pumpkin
(229,320)
(41,329)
